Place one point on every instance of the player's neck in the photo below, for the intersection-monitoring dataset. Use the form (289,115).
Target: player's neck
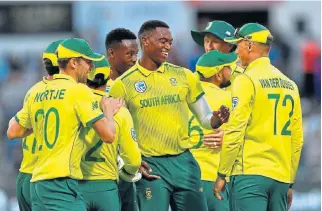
(49,77)
(211,80)
(148,64)
(114,74)
(101,88)
(69,73)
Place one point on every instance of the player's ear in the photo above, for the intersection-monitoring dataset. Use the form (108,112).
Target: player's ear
(73,63)
(111,53)
(144,41)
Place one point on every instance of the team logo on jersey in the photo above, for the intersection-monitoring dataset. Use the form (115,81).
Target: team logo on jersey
(234,102)
(140,86)
(133,134)
(148,193)
(173,81)
(95,105)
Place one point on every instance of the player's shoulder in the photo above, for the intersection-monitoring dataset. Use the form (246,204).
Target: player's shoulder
(130,72)
(173,67)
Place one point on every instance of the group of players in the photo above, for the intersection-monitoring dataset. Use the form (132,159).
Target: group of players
(94,126)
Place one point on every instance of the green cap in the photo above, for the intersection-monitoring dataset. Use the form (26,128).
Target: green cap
(76,47)
(50,52)
(221,29)
(101,72)
(251,31)
(212,62)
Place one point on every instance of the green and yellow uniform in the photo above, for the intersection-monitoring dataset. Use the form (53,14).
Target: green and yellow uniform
(208,65)
(99,161)
(30,144)
(158,102)
(28,117)
(265,133)
(127,190)
(66,107)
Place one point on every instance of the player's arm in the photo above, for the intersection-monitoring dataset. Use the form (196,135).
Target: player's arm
(200,108)
(20,125)
(242,96)
(129,150)
(89,113)
(297,138)
(15,130)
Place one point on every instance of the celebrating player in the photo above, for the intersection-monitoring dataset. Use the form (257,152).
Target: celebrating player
(264,133)
(29,144)
(159,95)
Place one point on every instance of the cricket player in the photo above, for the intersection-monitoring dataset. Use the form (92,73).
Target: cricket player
(99,161)
(29,143)
(264,133)
(66,107)
(214,70)
(212,38)
(121,50)
(159,96)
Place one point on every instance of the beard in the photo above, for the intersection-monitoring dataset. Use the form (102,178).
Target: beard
(225,84)
(82,79)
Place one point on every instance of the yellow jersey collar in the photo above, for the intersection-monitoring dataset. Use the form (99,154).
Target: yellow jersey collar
(147,72)
(260,61)
(208,84)
(64,77)
(44,79)
(99,92)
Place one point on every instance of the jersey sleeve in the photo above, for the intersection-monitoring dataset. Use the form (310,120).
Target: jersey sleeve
(118,90)
(129,150)
(22,117)
(87,107)
(242,97)
(195,90)
(296,138)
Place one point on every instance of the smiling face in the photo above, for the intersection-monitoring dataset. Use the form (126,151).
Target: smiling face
(158,44)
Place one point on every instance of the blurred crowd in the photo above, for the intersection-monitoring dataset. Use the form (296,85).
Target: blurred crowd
(18,72)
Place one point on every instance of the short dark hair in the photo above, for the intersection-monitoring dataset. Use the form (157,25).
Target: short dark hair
(117,35)
(98,81)
(151,25)
(62,63)
(50,68)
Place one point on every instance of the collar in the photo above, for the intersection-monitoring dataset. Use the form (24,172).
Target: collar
(147,72)
(99,92)
(44,79)
(64,77)
(209,84)
(259,61)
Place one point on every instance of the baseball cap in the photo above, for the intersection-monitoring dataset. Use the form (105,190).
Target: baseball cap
(212,62)
(101,71)
(251,31)
(76,47)
(221,29)
(50,52)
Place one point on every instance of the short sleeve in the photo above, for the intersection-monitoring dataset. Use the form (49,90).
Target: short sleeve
(22,117)
(195,90)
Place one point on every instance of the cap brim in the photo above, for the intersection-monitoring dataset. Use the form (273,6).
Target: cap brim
(198,37)
(232,40)
(95,57)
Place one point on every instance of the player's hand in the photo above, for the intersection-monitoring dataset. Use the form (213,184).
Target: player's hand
(214,140)
(144,168)
(289,198)
(219,186)
(220,117)
(112,104)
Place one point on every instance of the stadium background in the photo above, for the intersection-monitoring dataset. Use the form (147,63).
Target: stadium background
(27,27)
